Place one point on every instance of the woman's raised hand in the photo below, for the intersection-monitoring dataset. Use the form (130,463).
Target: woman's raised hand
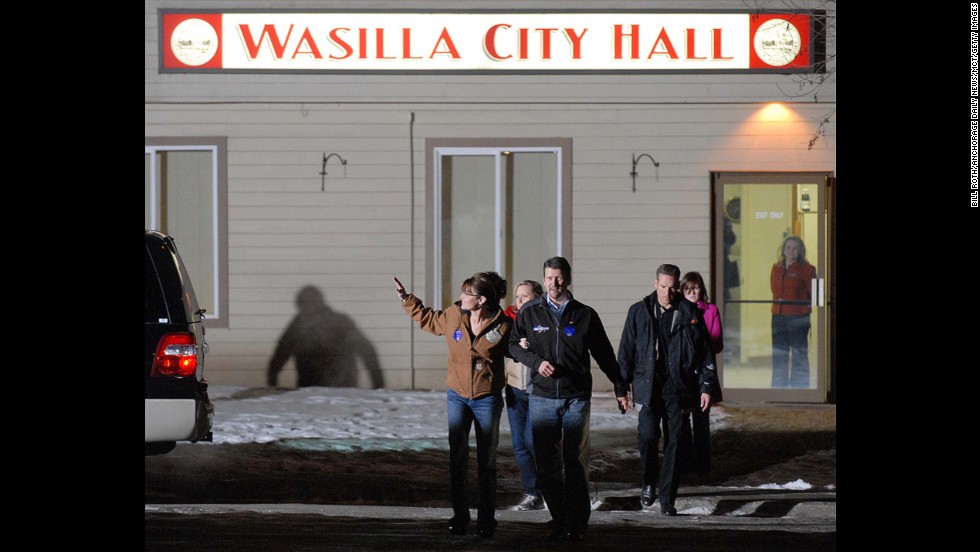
(399,288)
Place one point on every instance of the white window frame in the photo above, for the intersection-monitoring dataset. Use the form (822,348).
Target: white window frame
(216,316)
(497,153)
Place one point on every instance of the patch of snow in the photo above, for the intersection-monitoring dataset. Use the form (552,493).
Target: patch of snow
(798,485)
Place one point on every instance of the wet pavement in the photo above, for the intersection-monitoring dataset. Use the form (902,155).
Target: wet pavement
(773,487)
(718,518)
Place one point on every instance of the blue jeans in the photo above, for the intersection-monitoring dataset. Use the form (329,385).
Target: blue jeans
(484,414)
(790,350)
(561,450)
(520,432)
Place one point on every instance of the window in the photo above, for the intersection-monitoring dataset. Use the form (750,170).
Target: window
(185,195)
(503,207)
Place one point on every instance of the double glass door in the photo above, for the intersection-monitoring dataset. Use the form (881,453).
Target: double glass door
(496,208)
(772,264)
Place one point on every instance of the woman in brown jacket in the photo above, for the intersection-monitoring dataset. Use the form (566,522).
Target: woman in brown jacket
(476,331)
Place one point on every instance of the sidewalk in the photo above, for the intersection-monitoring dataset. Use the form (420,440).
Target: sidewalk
(709,518)
(329,469)
(705,507)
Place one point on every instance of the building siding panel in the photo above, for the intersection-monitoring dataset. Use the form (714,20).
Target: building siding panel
(285,233)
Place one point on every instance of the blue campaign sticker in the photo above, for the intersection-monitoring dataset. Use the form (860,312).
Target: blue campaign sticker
(569,331)
(457,335)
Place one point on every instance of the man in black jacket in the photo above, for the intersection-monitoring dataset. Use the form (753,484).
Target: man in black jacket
(665,354)
(561,333)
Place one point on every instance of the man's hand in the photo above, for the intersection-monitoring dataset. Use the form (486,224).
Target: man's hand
(546,369)
(624,403)
(705,401)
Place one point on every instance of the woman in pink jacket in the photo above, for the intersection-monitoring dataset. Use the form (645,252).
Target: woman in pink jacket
(692,286)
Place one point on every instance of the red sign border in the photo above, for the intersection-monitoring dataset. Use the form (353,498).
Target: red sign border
(809,60)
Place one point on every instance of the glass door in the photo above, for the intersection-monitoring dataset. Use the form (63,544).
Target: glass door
(495,209)
(771,236)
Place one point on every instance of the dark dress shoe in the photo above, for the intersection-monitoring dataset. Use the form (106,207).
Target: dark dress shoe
(646,496)
(556,531)
(486,530)
(457,526)
(668,510)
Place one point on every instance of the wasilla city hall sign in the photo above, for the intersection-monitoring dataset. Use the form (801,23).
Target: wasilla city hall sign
(508,42)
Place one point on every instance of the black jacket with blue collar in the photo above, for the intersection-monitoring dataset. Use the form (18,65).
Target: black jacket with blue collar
(566,343)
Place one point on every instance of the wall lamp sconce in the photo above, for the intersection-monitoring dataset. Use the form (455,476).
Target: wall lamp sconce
(323,170)
(637,160)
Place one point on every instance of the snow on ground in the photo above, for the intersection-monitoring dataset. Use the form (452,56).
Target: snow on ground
(798,485)
(363,418)
(392,422)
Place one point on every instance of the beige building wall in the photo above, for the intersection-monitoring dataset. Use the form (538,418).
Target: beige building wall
(284,233)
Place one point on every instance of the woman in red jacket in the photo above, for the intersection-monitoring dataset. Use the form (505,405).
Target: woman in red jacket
(791,280)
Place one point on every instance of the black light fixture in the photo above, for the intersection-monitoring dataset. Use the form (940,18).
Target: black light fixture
(637,160)
(323,169)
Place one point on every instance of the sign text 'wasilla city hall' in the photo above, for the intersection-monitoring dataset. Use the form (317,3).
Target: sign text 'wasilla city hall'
(477,42)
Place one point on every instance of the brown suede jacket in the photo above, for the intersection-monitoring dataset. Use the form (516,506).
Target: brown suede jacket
(476,363)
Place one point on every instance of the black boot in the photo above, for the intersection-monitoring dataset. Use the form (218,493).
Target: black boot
(457,525)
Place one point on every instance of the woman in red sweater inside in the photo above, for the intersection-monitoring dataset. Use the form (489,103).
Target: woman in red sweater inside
(791,280)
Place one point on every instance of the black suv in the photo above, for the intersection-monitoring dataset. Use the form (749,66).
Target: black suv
(177,407)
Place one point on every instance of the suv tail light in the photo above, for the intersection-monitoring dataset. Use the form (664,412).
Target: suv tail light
(176,355)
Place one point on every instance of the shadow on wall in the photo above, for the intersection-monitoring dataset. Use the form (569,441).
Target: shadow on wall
(326,345)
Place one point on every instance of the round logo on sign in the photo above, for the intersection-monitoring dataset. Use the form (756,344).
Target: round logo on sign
(194,42)
(777,42)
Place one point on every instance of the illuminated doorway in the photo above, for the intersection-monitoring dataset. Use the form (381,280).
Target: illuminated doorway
(775,320)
